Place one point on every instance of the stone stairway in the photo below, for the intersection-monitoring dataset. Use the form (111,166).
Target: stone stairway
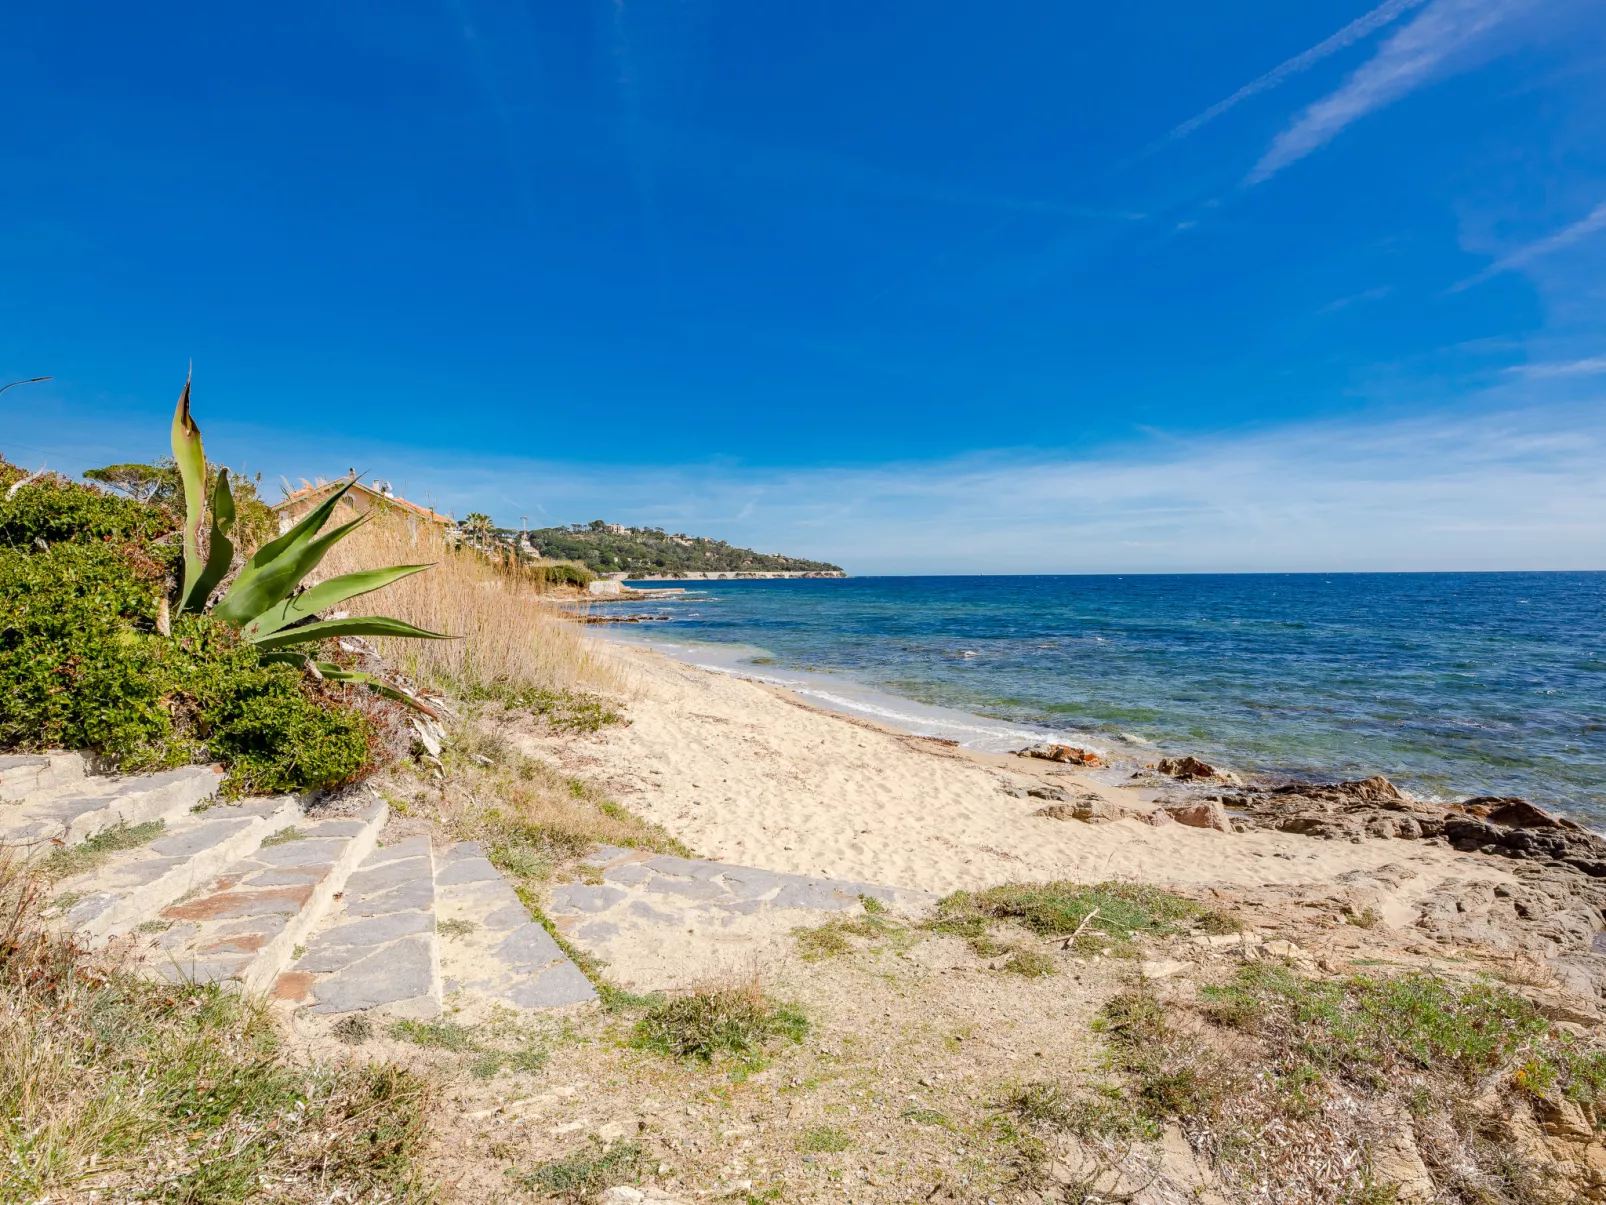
(136,884)
(377,947)
(315,911)
(245,924)
(50,800)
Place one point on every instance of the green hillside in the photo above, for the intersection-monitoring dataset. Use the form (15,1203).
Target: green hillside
(602,548)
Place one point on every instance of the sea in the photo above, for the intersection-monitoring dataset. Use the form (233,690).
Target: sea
(1450,684)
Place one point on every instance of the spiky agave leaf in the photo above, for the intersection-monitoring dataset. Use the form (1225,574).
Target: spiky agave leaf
(361,625)
(323,596)
(219,548)
(191,461)
(273,574)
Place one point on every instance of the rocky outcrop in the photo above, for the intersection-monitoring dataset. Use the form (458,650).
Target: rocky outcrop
(1205,813)
(1375,807)
(1062,753)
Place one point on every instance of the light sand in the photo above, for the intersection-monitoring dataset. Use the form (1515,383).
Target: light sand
(748,774)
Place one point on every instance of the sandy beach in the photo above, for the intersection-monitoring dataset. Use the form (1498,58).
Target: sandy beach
(747,773)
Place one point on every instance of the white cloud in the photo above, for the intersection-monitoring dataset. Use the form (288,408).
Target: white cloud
(1589,367)
(1357,29)
(1417,54)
(1518,489)
(1593,221)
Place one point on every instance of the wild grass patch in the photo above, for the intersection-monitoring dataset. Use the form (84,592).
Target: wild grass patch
(823,1140)
(1106,917)
(1326,1065)
(584,1172)
(176,1093)
(87,855)
(733,1021)
(495,1046)
(829,940)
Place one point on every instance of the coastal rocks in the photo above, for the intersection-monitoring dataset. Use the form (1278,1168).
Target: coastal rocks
(1062,753)
(1094,809)
(1206,813)
(1186,768)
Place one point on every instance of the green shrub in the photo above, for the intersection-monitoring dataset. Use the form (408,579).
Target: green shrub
(56,511)
(82,667)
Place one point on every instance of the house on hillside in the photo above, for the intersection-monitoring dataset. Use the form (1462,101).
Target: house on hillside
(361,499)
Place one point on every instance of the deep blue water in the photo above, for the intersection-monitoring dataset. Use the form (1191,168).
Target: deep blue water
(1452,684)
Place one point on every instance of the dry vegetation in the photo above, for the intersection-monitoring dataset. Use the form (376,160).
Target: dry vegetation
(511,643)
(114,1088)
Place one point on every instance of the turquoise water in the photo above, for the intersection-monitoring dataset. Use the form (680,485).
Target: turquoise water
(1451,684)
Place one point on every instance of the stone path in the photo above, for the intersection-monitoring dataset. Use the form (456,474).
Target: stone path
(245,924)
(666,922)
(378,948)
(329,921)
(24,774)
(66,809)
(137,883)
(492,951)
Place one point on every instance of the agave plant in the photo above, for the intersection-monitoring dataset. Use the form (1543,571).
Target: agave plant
(265,601)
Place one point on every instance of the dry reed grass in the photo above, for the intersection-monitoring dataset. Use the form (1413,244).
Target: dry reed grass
(511,640)
(532,819)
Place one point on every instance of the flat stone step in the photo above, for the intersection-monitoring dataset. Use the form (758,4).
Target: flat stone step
(79,810)
(490,949)
(377,946)
(135,884)
(244,925)
(24,774)
(662,922)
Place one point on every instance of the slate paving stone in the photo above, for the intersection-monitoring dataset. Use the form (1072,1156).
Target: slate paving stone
(378,949)
(401,971)
(243,923)
(505,958)
(661,920)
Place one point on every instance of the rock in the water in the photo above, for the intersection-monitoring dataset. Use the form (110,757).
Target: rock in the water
(1206,813)
(1062,753)
(1186,767)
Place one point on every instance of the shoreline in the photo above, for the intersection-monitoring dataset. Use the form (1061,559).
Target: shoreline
(750,773)
(843,696)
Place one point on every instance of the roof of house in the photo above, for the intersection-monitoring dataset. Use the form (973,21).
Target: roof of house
(312,491)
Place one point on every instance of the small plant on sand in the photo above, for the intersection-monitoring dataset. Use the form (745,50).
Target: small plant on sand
(831,938)
(353,1029)
(441,1035)
(725,1021)
(823,1140)
(584,1172)
(1107,915)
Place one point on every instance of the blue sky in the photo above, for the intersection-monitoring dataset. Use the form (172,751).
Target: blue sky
(914,287)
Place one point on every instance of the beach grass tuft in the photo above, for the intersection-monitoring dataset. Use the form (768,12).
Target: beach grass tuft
(87,855)
(733,1020)
(512,646)
(1102,916)
(120,1088)
(581,1174)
